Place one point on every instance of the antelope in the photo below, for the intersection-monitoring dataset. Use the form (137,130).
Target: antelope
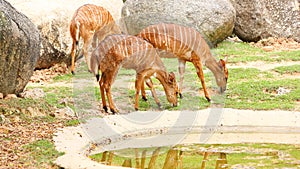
(86,20)
(103,49)
(130,52)
(186,44)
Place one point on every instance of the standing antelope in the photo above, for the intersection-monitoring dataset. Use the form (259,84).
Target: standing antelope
(86,20)
(130,52)
(187,45)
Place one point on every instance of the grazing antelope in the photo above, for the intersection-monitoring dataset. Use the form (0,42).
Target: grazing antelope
(86,20)
(187,45)
(103,49)
(130,52)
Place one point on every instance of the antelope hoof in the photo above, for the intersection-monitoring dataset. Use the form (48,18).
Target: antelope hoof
(181,96)
(159,106)
(207,98)
(105,109)
(114,111)
(98,77)
(144,98)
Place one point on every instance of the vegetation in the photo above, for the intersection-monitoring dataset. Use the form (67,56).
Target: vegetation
(253,87)
(28,134)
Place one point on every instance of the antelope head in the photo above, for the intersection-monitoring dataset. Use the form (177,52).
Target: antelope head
(172,89)
(223,75)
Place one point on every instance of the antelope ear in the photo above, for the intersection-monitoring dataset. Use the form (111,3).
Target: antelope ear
(225,59)
(222,63)
(172,76)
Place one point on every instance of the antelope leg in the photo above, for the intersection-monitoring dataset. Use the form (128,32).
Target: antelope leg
(109,79)
(101,84)
(138,85)
(143,91)
(85,49)
(73,50)
(149,83)
(198,66)
(181,69)
(112,107)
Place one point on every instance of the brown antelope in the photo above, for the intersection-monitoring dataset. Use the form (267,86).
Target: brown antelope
(187,45)
(130,52)
(103,49)
(86,20)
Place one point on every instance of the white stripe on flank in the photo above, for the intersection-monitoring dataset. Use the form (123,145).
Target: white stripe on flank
(89,17)
(181,38)
(165,33)
(189,38)
(193,40)
(119,48)
(126,50)
(169,40)
(77,30)
(174,39)
(154,32)
(159,39)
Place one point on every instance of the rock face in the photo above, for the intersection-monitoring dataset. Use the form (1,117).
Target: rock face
(52,17)
(19,49)
(214,19)
(256,19)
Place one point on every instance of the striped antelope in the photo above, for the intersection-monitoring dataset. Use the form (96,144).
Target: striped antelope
(130,52)
(86,20)
(187,45)
(103,48)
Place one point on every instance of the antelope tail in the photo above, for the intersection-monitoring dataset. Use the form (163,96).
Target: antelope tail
(77,32)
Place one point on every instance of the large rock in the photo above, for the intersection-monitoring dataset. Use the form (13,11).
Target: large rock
(214,19)
(52,17)
(256,19)
(19,49)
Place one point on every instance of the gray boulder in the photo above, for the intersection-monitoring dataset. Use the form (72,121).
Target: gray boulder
(52,17)
(19,49)
(256,19)
(214,19)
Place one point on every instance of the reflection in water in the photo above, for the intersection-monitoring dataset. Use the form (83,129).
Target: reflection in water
(164,157)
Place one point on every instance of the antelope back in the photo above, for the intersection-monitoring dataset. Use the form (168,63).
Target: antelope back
(177,39)
(101,50)
(90,18)
(136,53)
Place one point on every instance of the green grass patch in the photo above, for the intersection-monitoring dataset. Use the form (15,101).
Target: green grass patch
(254,89)
(288,69)
(244,52)
(72,122)
(54,95)
(67,78)
(41,153)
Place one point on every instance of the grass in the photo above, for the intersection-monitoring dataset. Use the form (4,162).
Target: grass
(72,122)
(66,78)
(244,52)
(248,88)
(287,69)
(254,89)
(42,152)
